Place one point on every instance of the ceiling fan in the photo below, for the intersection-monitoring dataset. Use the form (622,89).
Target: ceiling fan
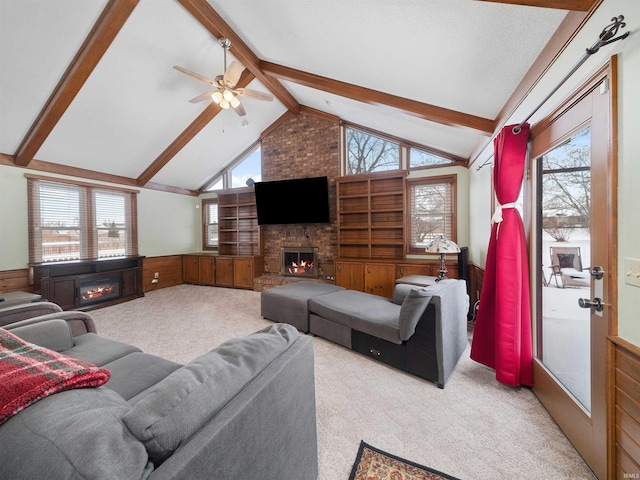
(226,94)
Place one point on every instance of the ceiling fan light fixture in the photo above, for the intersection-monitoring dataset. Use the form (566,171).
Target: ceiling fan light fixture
(224,104)
(228,95)
(234,102)
(216,97)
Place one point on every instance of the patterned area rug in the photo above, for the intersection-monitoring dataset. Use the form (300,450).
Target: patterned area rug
(374,464)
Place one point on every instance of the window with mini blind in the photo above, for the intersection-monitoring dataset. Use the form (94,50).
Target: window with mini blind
(432,210)
(78,221)
(210,224)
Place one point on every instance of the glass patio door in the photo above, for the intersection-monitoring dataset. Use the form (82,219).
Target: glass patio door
(564,330)
(575,231)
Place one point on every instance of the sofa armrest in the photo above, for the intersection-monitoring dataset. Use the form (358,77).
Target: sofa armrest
(79,322)
(452,306)
(54,334)
(271,424)
(16,313)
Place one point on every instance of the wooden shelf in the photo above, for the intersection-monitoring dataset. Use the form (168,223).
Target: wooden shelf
(239,232)
(371,215)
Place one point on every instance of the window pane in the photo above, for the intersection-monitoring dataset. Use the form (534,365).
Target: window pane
(111,225)
(211,224)
(420,158)
(250,167)
(431,213)
(367,153)
(60,210)
(219,185)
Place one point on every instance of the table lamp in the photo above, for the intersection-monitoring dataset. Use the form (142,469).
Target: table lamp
(441,246)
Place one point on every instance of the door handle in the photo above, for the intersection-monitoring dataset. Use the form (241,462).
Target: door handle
(597,272)
(596,303)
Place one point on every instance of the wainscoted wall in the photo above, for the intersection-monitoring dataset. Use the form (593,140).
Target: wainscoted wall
(15,281)
(305,145)
(169,269)
(623,391)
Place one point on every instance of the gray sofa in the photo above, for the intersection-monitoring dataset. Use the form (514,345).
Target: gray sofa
(245,410)
(423,330)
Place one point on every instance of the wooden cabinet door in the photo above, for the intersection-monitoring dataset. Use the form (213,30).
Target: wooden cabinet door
(63,291)
(224,271)
(379,279)
(350,275)
(190,269)
(207,270)
(404,270)
(129,283)
(243,272)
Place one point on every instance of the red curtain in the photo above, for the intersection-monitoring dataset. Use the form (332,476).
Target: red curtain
(502,335)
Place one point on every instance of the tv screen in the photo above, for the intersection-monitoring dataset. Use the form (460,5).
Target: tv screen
(302,200)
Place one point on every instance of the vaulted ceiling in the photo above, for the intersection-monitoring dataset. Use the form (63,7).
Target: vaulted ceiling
(87,87)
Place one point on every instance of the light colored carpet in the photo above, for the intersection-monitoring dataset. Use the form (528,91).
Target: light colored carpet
(474,429)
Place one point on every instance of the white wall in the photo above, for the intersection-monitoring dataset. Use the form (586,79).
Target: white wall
(167,223)
(628,178)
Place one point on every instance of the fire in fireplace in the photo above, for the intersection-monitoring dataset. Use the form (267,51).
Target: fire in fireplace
(98,290)
(300,261)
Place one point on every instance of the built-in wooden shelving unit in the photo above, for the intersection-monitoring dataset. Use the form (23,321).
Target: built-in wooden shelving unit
(371,219)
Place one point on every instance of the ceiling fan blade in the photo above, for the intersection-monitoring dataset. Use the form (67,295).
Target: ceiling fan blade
(194,75)
(255,94)
(201,97)
(232,75)
(239,109)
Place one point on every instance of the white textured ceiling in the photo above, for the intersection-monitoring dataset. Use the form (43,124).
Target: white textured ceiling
(463,55)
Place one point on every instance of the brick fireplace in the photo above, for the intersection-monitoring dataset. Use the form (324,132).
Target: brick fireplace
(303,145)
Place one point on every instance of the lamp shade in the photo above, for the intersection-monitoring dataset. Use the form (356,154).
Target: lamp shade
(442,245)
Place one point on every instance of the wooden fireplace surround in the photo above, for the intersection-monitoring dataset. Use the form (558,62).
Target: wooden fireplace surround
(59,282)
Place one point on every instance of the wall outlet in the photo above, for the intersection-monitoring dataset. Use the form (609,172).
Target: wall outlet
(155,280)
(156,275)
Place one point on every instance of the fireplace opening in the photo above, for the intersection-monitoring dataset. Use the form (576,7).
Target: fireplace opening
(98,290)
(300,261)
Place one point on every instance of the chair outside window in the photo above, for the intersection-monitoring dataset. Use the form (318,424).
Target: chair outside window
(566,265)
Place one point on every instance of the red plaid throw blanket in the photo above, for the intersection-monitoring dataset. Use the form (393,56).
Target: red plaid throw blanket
(29,373)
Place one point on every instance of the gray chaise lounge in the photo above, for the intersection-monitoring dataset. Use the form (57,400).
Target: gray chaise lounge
(423,330)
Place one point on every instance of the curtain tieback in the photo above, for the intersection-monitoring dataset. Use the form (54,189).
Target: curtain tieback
(497,215)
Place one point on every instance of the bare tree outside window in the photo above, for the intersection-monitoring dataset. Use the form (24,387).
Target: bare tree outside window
(367,153)
(566,179)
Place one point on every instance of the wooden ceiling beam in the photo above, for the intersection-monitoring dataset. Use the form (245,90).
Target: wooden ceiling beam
(187,135)
(573,5)
(425,111)
(112,19)
(214,23)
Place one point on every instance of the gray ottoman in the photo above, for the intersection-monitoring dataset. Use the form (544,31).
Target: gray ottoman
(290,303)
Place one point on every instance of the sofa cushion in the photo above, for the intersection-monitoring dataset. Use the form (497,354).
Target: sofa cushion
(98,350)
(134,373)
(53,334)
(372,314)
(76,434)
(174,409)
(400,292)
(413,306)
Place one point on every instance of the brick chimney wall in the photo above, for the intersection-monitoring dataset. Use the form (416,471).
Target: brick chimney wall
(303,145)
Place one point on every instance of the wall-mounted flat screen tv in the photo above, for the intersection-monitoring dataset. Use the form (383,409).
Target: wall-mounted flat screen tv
(301,200)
